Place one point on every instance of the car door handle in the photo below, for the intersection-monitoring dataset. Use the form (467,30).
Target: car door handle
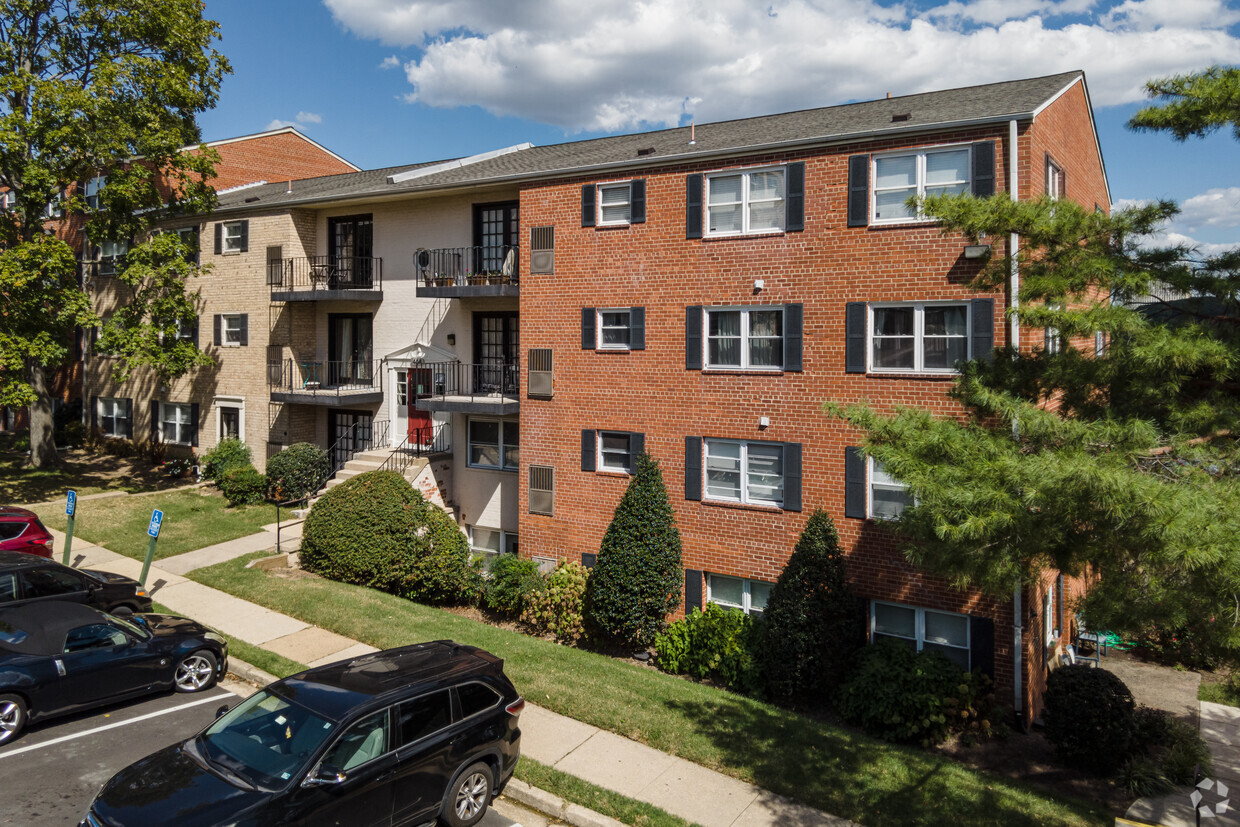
(384,776)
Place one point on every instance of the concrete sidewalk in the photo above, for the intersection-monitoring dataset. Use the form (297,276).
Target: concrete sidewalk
(680,787)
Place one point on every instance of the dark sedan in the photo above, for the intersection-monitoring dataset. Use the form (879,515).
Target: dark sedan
(25,578)
(57,658)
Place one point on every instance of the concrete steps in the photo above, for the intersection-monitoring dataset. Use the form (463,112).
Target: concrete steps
(372,461)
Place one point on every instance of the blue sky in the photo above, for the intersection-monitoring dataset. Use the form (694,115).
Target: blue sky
(386,82)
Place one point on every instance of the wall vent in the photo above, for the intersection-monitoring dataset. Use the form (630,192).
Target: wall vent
(542,490)
(540,385)
(542,250)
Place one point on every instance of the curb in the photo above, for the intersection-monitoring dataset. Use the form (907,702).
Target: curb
(250,674)
(556,807)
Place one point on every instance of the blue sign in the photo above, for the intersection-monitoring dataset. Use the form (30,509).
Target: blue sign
(157,520)
(71,503)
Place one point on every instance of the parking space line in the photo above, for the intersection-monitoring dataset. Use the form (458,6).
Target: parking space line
(147,716)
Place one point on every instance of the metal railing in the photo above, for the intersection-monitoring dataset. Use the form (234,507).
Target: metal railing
(361,437)
(317,377)
(325,273)
(473,380)
(462,266)
(419,442)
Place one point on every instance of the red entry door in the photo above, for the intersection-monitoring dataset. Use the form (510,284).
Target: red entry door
(419,421)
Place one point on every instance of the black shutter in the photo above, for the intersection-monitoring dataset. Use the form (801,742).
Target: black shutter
(637,328)
(194,333)
(854,483)
(193,424)
(588,560)
(588,450)
(984,169)
(219,237)
(792,476)
(245,329)
(637,201)
(245,236)
(693,206)
(693,338)
(982,644)
(637,445)
(794,322)
(859,191)
(794,199)
(128,418)
(94,412)
(589,340)
(693,468)
(854,337)
(693,591)
(219,324)
(983,328)
(588,214)
(154,420)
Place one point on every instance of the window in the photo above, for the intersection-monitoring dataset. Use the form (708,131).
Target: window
(918,337)
(233,236)
(110,254)
(116,417)
(420,717)
(923,629)
(745,338)
(615,452)
(475,698)
(232,326)
(229,418)
(613,204)
(1054,180)
(55,207)
(542,490)
(750,596)
(402,389)
(189,237)
(614,329)
(360,743)
(488,543)
(888,496)
(745,202)
(51,582)
(177,422)
(494,443)
(745,472)
(1052,342)
(8,584)
(927,172)
(93,186)
(97,636)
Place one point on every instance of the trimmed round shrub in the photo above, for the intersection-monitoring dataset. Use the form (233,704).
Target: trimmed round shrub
(513,582)
(227,455)
(1090,717)
(297,472)
(718,643)
(636,579)
(814,624)
(243,486)
(557,609)
(376,530)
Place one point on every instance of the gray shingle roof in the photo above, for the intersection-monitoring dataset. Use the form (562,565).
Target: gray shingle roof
(989,102)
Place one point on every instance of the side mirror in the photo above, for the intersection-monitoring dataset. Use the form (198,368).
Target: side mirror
(221,712)
(324,776)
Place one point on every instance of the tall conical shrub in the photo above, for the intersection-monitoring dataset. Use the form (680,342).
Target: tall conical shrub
(636,580)
(813,621)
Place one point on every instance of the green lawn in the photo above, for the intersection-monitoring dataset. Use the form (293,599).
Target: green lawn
(193,518)
(600,800)
(1226,692)
(837,771)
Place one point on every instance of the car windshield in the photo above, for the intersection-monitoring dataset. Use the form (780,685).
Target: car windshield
(137,629)
(266,739)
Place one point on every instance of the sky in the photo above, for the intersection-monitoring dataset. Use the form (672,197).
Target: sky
(390,82)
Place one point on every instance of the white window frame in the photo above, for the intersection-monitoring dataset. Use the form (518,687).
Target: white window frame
(236,402)
(1054,179)
(110,252)
(225,318)
(870,485)
(920,179)
(116,402)
(503,447)
(91,190)
(745,202)
(627,186)
(919,627)
(919,338)
(183,427)
(627,327)
(745,496)
(746,604)
(745,337)
(506,540)
(230,237)
(402,388)
(601,465)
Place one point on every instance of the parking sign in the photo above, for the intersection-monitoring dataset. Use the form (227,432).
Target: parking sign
(71,503)
(157,520)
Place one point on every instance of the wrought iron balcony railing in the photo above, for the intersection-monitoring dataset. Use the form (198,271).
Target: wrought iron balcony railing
(325,273)
(467,266)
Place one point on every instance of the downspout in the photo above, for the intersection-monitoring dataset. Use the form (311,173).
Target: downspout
(1018,630)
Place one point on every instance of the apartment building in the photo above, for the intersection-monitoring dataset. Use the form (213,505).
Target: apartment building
(530,319)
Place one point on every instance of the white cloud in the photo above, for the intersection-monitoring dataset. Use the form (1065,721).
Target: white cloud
(1218,207)
(390,62)
(646,63)
(309,117)
(276,123)
(1206,222)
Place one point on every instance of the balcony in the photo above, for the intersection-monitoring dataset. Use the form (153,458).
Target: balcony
(458,387)
(467,272)
(334,384)
(322,278)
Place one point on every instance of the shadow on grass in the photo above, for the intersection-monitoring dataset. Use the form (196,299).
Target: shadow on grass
(81,471)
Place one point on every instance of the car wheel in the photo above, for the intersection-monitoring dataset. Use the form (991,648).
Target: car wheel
(12,717)
(469,796)
(195,672)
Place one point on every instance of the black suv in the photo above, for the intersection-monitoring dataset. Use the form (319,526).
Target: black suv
(25,578)
(402,736)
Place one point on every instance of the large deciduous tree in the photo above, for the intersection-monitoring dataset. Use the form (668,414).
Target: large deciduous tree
(1117,454)
(98,89)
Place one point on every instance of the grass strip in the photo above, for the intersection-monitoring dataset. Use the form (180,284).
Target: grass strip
(1219,693)
(600,800)
(193,519)
(810,761)
(269,662)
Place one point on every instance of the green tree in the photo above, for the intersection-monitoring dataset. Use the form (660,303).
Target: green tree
(813,622)
(636,581)
(1193,105)
(92,88)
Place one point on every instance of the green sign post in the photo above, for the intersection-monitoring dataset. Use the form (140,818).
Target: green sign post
(157,521)
(70,510)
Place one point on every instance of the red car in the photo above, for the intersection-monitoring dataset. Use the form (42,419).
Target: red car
(21,530)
